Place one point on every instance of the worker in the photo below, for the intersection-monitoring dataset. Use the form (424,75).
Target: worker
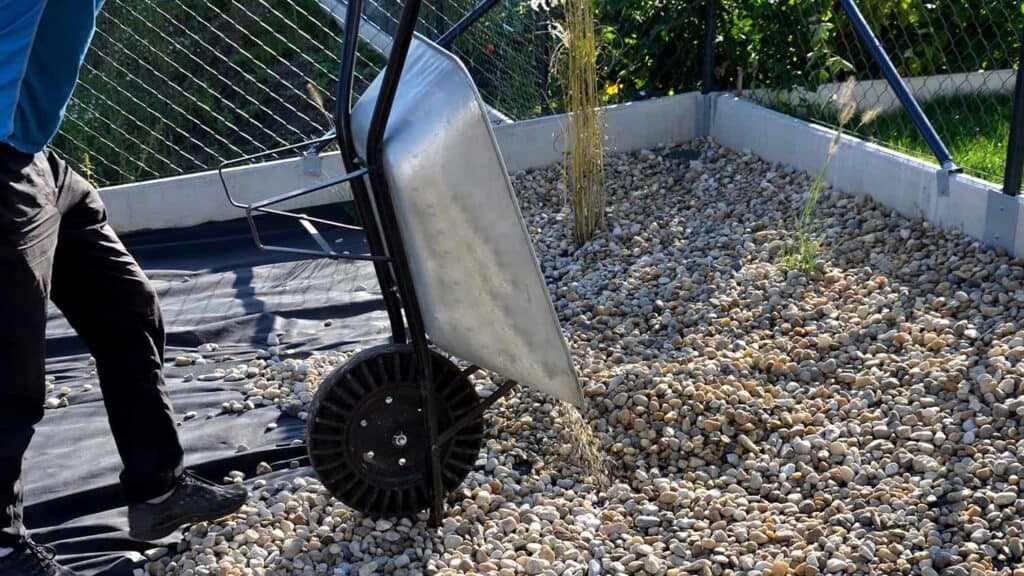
(56,244)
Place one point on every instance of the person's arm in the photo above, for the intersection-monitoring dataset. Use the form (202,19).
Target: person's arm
(42,46)
(19,20)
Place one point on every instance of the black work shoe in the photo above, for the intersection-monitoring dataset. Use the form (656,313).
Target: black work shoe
(194,500)
(31,559)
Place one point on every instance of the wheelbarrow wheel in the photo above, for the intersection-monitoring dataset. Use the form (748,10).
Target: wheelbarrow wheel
(366,431)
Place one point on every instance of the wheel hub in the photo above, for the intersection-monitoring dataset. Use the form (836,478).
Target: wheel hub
(388,458)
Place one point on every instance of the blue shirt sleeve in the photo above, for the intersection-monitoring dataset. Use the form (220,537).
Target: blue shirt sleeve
(19,20)
(42,46)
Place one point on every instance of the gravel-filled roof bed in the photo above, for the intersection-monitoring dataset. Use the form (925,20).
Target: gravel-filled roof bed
(860,418)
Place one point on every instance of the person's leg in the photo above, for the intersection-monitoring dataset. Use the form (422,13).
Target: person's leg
(110,303)
(29,222)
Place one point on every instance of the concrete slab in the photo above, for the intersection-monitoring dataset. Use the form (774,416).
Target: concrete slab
(877,93)
(193,199)
(628,127)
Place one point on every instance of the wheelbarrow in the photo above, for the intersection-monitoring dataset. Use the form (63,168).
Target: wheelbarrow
(400,425)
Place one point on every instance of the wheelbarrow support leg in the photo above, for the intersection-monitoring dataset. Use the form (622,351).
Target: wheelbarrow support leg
(429,395)
(364,206)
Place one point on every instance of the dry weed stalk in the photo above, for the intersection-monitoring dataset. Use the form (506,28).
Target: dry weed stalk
(584,153)
(805,249)
(318,99)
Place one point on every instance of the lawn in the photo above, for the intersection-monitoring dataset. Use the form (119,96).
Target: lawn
(975,128)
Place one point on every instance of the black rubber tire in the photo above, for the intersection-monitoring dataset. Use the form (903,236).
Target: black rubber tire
(374,392)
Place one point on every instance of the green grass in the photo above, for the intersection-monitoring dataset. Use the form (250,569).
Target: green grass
(974,127)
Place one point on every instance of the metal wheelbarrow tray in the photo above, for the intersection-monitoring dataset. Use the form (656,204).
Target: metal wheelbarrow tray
(400,425)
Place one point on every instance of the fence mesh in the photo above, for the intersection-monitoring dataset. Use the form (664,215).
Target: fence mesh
(957,57)
(171,87)
(508,51)
(176,86)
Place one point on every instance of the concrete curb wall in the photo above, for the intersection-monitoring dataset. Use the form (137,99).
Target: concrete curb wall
(368,30)
(183,201)
(912,187)
(193,199)
(661,121)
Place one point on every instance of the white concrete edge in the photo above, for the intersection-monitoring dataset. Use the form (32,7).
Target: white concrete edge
(876,93)
(910,186)
(183,201)
(193,199)
(628,127)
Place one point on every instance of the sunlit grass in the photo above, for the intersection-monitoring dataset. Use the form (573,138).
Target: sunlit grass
(975,128)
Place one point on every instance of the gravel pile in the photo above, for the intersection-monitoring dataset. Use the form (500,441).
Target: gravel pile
(863,418)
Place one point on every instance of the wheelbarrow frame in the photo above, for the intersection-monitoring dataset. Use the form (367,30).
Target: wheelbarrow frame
(377,214)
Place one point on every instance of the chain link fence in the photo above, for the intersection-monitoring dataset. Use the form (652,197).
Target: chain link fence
(177,86)
(957,57)
(508,52)
(172,87)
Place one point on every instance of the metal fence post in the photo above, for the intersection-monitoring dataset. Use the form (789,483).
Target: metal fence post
(1003,210)
(1015,147)
(917,115)
(708,72)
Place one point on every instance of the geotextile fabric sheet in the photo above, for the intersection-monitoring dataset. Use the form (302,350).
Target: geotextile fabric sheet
(214,287)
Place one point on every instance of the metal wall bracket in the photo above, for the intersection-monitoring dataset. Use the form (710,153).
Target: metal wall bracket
(942,182)
(705,110)
(311,163)
(1001,216)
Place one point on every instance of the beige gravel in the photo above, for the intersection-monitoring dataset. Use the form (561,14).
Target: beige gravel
(863,419)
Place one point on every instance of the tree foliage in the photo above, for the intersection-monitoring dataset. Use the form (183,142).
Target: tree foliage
(654,47)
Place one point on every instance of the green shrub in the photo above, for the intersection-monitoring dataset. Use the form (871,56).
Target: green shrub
(656,45)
